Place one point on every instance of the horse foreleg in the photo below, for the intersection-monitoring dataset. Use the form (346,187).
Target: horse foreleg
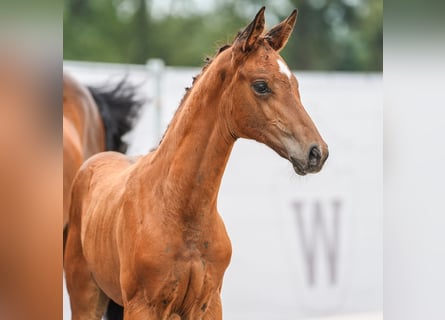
(88,302)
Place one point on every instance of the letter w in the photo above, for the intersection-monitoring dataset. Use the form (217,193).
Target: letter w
(318,232)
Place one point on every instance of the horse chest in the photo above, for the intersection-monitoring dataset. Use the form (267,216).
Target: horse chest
(185,277)
(191,280)
(181,286)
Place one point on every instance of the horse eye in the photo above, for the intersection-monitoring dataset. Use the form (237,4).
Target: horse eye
(261,87)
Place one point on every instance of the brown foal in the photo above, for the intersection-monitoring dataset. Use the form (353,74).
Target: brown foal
(147,233)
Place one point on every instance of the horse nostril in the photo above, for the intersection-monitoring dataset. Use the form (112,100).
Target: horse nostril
(314,156)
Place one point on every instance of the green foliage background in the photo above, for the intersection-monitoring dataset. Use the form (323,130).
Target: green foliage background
(329,35)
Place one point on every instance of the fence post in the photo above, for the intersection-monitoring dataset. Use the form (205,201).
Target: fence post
(156,68)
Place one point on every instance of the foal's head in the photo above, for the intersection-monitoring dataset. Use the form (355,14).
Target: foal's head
(261,99)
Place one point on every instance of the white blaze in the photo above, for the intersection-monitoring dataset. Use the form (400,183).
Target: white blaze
(284,68)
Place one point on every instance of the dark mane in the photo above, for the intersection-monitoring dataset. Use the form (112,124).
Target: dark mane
(208,61)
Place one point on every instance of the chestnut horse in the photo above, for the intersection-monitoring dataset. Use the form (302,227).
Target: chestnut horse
(146,233)
(94,120)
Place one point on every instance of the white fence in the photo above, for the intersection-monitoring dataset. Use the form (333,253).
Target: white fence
(303,247)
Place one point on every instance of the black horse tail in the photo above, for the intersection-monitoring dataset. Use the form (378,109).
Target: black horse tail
(119,108)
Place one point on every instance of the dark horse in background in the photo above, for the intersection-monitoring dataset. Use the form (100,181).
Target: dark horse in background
(94,120)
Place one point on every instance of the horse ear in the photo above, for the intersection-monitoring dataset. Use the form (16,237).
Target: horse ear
(278,35)
(246,39)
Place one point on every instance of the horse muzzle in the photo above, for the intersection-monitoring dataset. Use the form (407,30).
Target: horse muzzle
(312,162)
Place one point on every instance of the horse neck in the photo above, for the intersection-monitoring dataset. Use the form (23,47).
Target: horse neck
(195,149)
